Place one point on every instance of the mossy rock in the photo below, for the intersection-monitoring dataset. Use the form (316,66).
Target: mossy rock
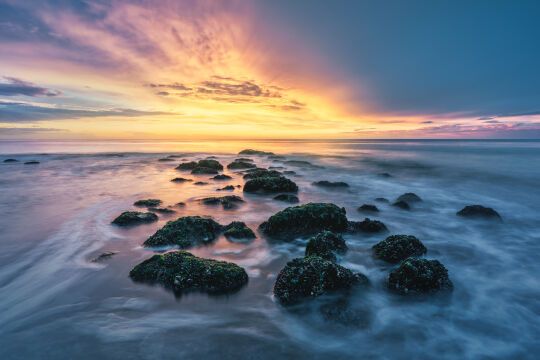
(478,211)
(409,198)
(397,248)
(226,188)
(326,245)
(292,199)
(180,180)
(182,271)
(261,173)
(254,152)
(228,202)
(162,210)
(307,219)
(310,277)
(416,275)
(368,208)
(367,225)
(222,177)
(199,170)
(235,165)
(187,166)
(128,218)
(270,185)
(402,205)
(209,163)
(238,230)
(185,232)
(331,184)
(147,203)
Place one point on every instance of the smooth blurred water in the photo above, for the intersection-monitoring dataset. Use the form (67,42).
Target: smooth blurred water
(55,217)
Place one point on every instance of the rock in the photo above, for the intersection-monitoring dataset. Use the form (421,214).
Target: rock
(147,203)
(367,225)
(211,164)
(289,172)
(31,162)
(326,244)
(244,159)
(397,248)
(181,204)
(254,152)
(380,199)
(409,198)
(185,232)
(128,218)
(301,163)
(166,159)
(104,256)
(226,188)
(241,165)
(310,277)
(292,199)
(478,211)
(330,184)
(187,166)
(238,230)
(222,177)
(10,160)
(276,157)
(416,275)
(182,271)
(340,312)
(402,205)
(270,185)
(228,202)
(200,183)
(204,171)
(180,180)
(368,208)
(385,175)
(276,168)
(175,156)
(162,210)
(211,157)
(305,220)
(261,173)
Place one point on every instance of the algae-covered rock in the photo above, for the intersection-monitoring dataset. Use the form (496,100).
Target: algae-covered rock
(222,177)
(307,219)
(226,188)
(254,152)
(200,170)
(228,202)
(301,163)
(257,173)
(478,211)
(270,185)
(162,210)
(331,184)
(368,208)
(167,159)
(209,163)
(416,275)
(366,225)
(326,244)
(292,199)
(238,230)
(310,277)
(402,205)
(182,271)
(180,180)
(185,232)
(235,165)
(409,198)
(396,248)
(147,203)
(187,166)
(128,218)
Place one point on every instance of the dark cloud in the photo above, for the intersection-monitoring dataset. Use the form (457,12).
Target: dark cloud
(492,122)
(427,122)
(162,93)
(16,87)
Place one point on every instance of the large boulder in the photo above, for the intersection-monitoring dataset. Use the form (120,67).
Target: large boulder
(307,219)
(209,163)
(270,185)
(366,225)
(396,248)
(182,271)
(326,245)
(238,230)
(478,211)
(128,218)
(185,232)
(416,275)
(310,277)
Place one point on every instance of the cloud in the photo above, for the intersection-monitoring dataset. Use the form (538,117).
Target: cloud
(427,122)
(12,132)
(15,87)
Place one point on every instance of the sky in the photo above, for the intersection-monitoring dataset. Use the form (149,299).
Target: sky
(231,69)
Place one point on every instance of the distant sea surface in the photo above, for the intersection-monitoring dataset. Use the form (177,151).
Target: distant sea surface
(55,303)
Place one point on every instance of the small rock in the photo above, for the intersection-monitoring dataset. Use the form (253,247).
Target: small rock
(254,152)
(203,171)
(180,180)
(402,205)
(10,160)
(257,173)
(292,199)
(147,203)
(104,256)
(187,166)
(409,198)
(181,204)
(226,188)
(368,208)
(200,183)
(380,199)
(222,177)
(478,211)
(238,230)
(397,248)
(166,159)
(330,184)
(241,165)
(228,202)
(385,175)
(31,162)
(416,275)
(128,218)
(162,210)
(367,225)
(244,159)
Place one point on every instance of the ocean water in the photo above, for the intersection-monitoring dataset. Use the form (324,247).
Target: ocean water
(55,303)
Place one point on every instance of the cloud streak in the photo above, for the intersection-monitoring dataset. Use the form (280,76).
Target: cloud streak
(11,86)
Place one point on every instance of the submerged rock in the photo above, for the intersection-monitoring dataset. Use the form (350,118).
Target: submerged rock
(330,184)
(238,230)
(187,166)
(478,211)
(147,203)
(244,159)
(10,160)
(166,159)
(222,177)
(162,210)
(326,244)
(181,204)
(254,152)
(381,199)
(200,183)
(209,163)
(104,256)
(204,171)
(270,185)
(182,271)
(228,202)
(241,165)
(402,205)
(301,163)
(409,198)
(397,248)
(385,175)
(289,172)
(31,162)
(416,275)
(307,219)
(128,218)
(226,188)
(185,232)
(310,277)
(257,173)
(366,225)
(293,199)
(368,208)
(181,180)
